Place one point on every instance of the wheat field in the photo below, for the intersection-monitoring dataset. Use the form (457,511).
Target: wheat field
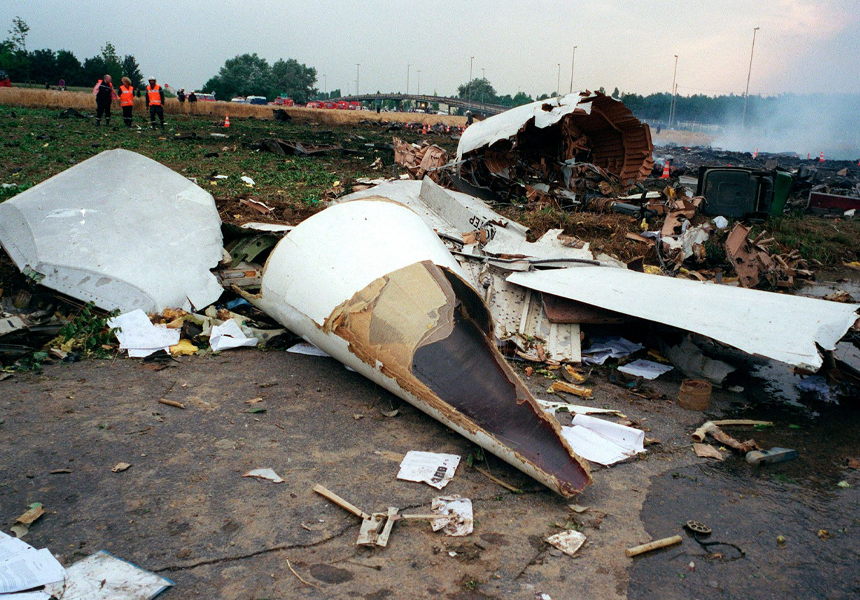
(38,98)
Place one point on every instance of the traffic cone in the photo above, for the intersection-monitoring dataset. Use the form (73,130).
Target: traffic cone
(227,121)
(821,157)
(755,154)
(424,129)
(665,174)
(808,156)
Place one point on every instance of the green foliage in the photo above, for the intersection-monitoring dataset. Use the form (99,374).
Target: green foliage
(481,91)
(113,65)
(131,69)
(87,333)
(251,75)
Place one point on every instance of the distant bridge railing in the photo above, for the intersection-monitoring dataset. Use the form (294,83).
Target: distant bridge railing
(476,107)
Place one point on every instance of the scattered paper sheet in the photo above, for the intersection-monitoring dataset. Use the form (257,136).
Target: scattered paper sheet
(646,369)
(602,441)
(264,474)
(577,409)
(609,347)
(247,180)
(307,349)
(460,508)
(139,336)
(428,467)
(567,541)
(228,335)
(29,569)
(10,546)
(103,576)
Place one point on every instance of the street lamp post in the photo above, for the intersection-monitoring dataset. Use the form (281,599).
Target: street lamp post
(558,82)
(357,73)
(469,93)
(572,63)
(483,83)
(325,86)
(419,82)
(672,105)
(749,73)
(407,78)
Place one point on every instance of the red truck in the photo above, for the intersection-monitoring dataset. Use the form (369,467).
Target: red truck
(4,80)
(281,101)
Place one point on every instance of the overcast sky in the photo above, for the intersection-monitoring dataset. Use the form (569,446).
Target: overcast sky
(802,46)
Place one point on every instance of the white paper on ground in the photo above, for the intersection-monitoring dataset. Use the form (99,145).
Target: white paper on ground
(307,349)
(29,569)
(609,347)
(103,576)
(460,508)
(265,474)
(645,368)
(567,541)
(139,336)
(228,335)
(602,441)
(428,467)
(10,546)
(577,409)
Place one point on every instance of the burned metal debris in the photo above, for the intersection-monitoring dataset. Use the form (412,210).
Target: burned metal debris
(565,150)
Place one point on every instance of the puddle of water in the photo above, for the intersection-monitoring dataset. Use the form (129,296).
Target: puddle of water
(830,282)
(750,506)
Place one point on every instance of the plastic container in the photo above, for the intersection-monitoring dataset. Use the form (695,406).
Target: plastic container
(695,394)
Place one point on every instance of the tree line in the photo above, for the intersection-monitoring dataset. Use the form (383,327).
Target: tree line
(50,66)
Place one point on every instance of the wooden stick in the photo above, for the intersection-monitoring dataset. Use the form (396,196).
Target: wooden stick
(348,506)
(293,571)
(655,545)
(507,486)
(171,403)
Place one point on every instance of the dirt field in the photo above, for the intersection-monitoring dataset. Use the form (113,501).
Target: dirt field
(184,510)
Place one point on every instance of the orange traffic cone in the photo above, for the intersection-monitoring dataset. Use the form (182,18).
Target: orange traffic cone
(755,154)
(821,157)
(665,174)
(808,156)
(424,129)
(227,121)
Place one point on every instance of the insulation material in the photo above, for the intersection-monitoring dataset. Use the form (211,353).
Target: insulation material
(119,230)
(785,328)
(398,309)
(603,442)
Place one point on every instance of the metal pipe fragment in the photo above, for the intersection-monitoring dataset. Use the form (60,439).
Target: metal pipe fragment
(655,545)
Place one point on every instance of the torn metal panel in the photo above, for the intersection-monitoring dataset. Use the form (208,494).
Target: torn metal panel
(447,212)
(396,307)
(519,316)
(618,142)
(553,245)
(119,230)
(785,328)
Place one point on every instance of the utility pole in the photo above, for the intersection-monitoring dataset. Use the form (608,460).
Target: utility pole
(558,82)
(419,82)
(749,73)
(672,105)
(572,63)
(357,71)
(407,78)
(469,93)
(483,83)
(325,86)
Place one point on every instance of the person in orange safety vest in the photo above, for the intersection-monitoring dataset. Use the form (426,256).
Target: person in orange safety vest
(126,100)
(155,102)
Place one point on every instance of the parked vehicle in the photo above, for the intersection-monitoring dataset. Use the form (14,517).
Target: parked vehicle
(256,100)
(239,100)
(4,80)
(204,97)
(281,101)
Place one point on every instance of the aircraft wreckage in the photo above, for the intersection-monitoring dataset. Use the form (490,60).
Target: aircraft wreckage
(380,282)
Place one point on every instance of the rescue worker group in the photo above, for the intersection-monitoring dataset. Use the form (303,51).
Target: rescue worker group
(105,95)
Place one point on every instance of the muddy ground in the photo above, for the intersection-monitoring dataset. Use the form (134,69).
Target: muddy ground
(184,510)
